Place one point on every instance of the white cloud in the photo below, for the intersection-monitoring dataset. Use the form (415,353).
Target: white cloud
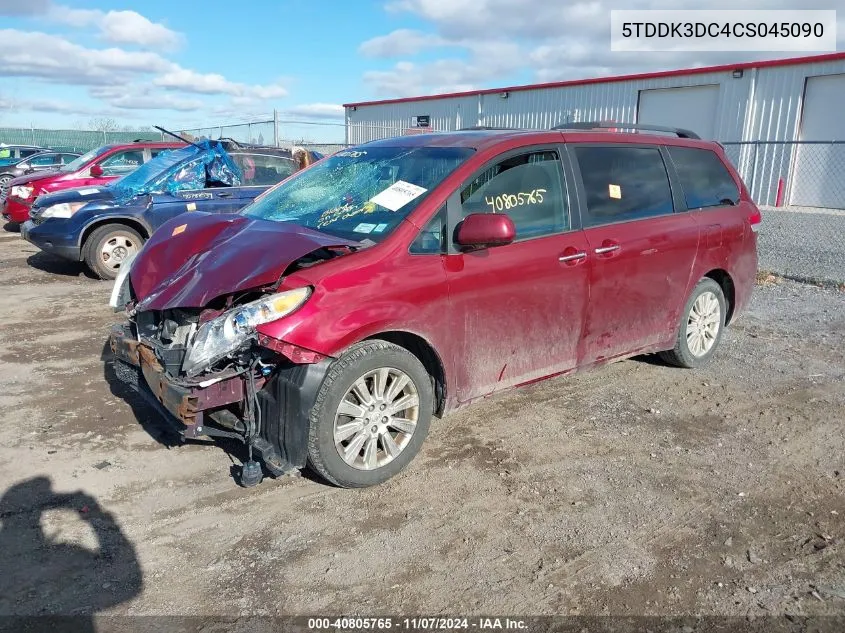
(500,39)
(73,17)
(123,80)
(487,61)
(47,105)
(129,27)
(117,27)
(55,59)
(400,42)
(316,111)
(183,79)
(140,97)
(30,7)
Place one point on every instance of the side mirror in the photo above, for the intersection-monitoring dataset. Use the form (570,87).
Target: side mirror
(484,230)
(96,171)
(24,166)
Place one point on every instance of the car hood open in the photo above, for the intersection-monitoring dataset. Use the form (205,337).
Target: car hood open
(197,257)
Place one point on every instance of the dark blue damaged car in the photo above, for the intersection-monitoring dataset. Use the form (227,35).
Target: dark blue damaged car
(102,226)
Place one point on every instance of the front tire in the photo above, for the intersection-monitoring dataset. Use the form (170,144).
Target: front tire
(372,413)
(4,187)
(701,327)
(108,246)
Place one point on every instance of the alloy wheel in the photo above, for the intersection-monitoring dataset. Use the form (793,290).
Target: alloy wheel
(703,323)
(376,418)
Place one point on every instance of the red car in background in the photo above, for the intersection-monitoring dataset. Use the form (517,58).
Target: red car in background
(98,167)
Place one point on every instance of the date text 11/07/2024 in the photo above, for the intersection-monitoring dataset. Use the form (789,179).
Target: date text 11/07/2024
(416,624)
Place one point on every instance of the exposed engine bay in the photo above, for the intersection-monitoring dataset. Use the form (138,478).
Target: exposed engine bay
(213,372)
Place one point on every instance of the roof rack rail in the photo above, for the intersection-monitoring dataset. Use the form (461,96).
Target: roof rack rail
(595,125)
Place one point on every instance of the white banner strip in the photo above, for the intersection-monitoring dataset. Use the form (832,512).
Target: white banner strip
(723,30)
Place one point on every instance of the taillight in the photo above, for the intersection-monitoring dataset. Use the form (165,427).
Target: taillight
(755,218)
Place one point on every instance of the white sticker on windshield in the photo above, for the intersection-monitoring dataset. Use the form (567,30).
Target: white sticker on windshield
(398,195)
(364,228)
(380,228)
(351,154)
(88,192)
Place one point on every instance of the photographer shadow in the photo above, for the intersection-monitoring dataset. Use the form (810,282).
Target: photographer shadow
(54,576)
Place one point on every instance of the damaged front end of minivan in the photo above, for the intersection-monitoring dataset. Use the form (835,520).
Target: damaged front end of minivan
(193,342)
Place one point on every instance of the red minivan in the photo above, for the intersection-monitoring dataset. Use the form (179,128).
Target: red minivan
(330,320)
(98,167)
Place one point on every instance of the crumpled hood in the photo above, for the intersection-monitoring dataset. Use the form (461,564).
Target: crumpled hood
(197,257)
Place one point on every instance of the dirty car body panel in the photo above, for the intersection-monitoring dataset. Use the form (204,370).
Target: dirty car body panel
(570,291)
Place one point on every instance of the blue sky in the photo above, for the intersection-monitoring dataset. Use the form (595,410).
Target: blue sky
(184,64)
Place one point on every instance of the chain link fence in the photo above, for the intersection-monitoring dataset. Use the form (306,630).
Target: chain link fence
(795,174)
(317,136)
(72,140)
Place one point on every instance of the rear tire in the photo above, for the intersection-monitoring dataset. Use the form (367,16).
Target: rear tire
(108,246)
(701,326)
(376,441)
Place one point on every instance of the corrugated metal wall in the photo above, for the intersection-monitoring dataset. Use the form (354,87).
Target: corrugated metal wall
(762,105)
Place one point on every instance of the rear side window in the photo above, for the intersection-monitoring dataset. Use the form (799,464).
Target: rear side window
(122,163)
(263,169)
(43,160)
(704,178)
(624,183)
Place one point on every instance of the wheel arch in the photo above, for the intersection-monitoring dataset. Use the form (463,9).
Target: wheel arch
(132,223)
(426,354)
(726,283)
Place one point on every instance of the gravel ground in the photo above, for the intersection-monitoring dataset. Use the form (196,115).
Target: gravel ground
(634,489)
(803,245)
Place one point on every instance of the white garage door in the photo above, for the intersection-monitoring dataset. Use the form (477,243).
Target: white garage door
(817,174)
(692,108)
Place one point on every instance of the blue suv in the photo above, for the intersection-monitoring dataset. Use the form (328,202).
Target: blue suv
(102,226)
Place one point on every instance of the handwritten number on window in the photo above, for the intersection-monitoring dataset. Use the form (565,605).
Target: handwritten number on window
(506,201)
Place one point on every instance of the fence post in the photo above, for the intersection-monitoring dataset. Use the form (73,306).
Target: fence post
(275,128)
(754,169)
(32,134)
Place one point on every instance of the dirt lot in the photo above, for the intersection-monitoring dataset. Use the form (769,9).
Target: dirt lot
(634,489)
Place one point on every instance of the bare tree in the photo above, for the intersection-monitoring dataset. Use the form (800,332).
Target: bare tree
(103,124)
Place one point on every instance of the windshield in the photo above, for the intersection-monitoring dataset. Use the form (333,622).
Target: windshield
(78,163)
(361,193)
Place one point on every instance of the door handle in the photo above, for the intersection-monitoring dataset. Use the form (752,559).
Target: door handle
(572,258)
(601,250)
(224,194)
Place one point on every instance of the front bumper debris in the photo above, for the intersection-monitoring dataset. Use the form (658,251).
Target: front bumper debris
(198,408)
(186,403)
